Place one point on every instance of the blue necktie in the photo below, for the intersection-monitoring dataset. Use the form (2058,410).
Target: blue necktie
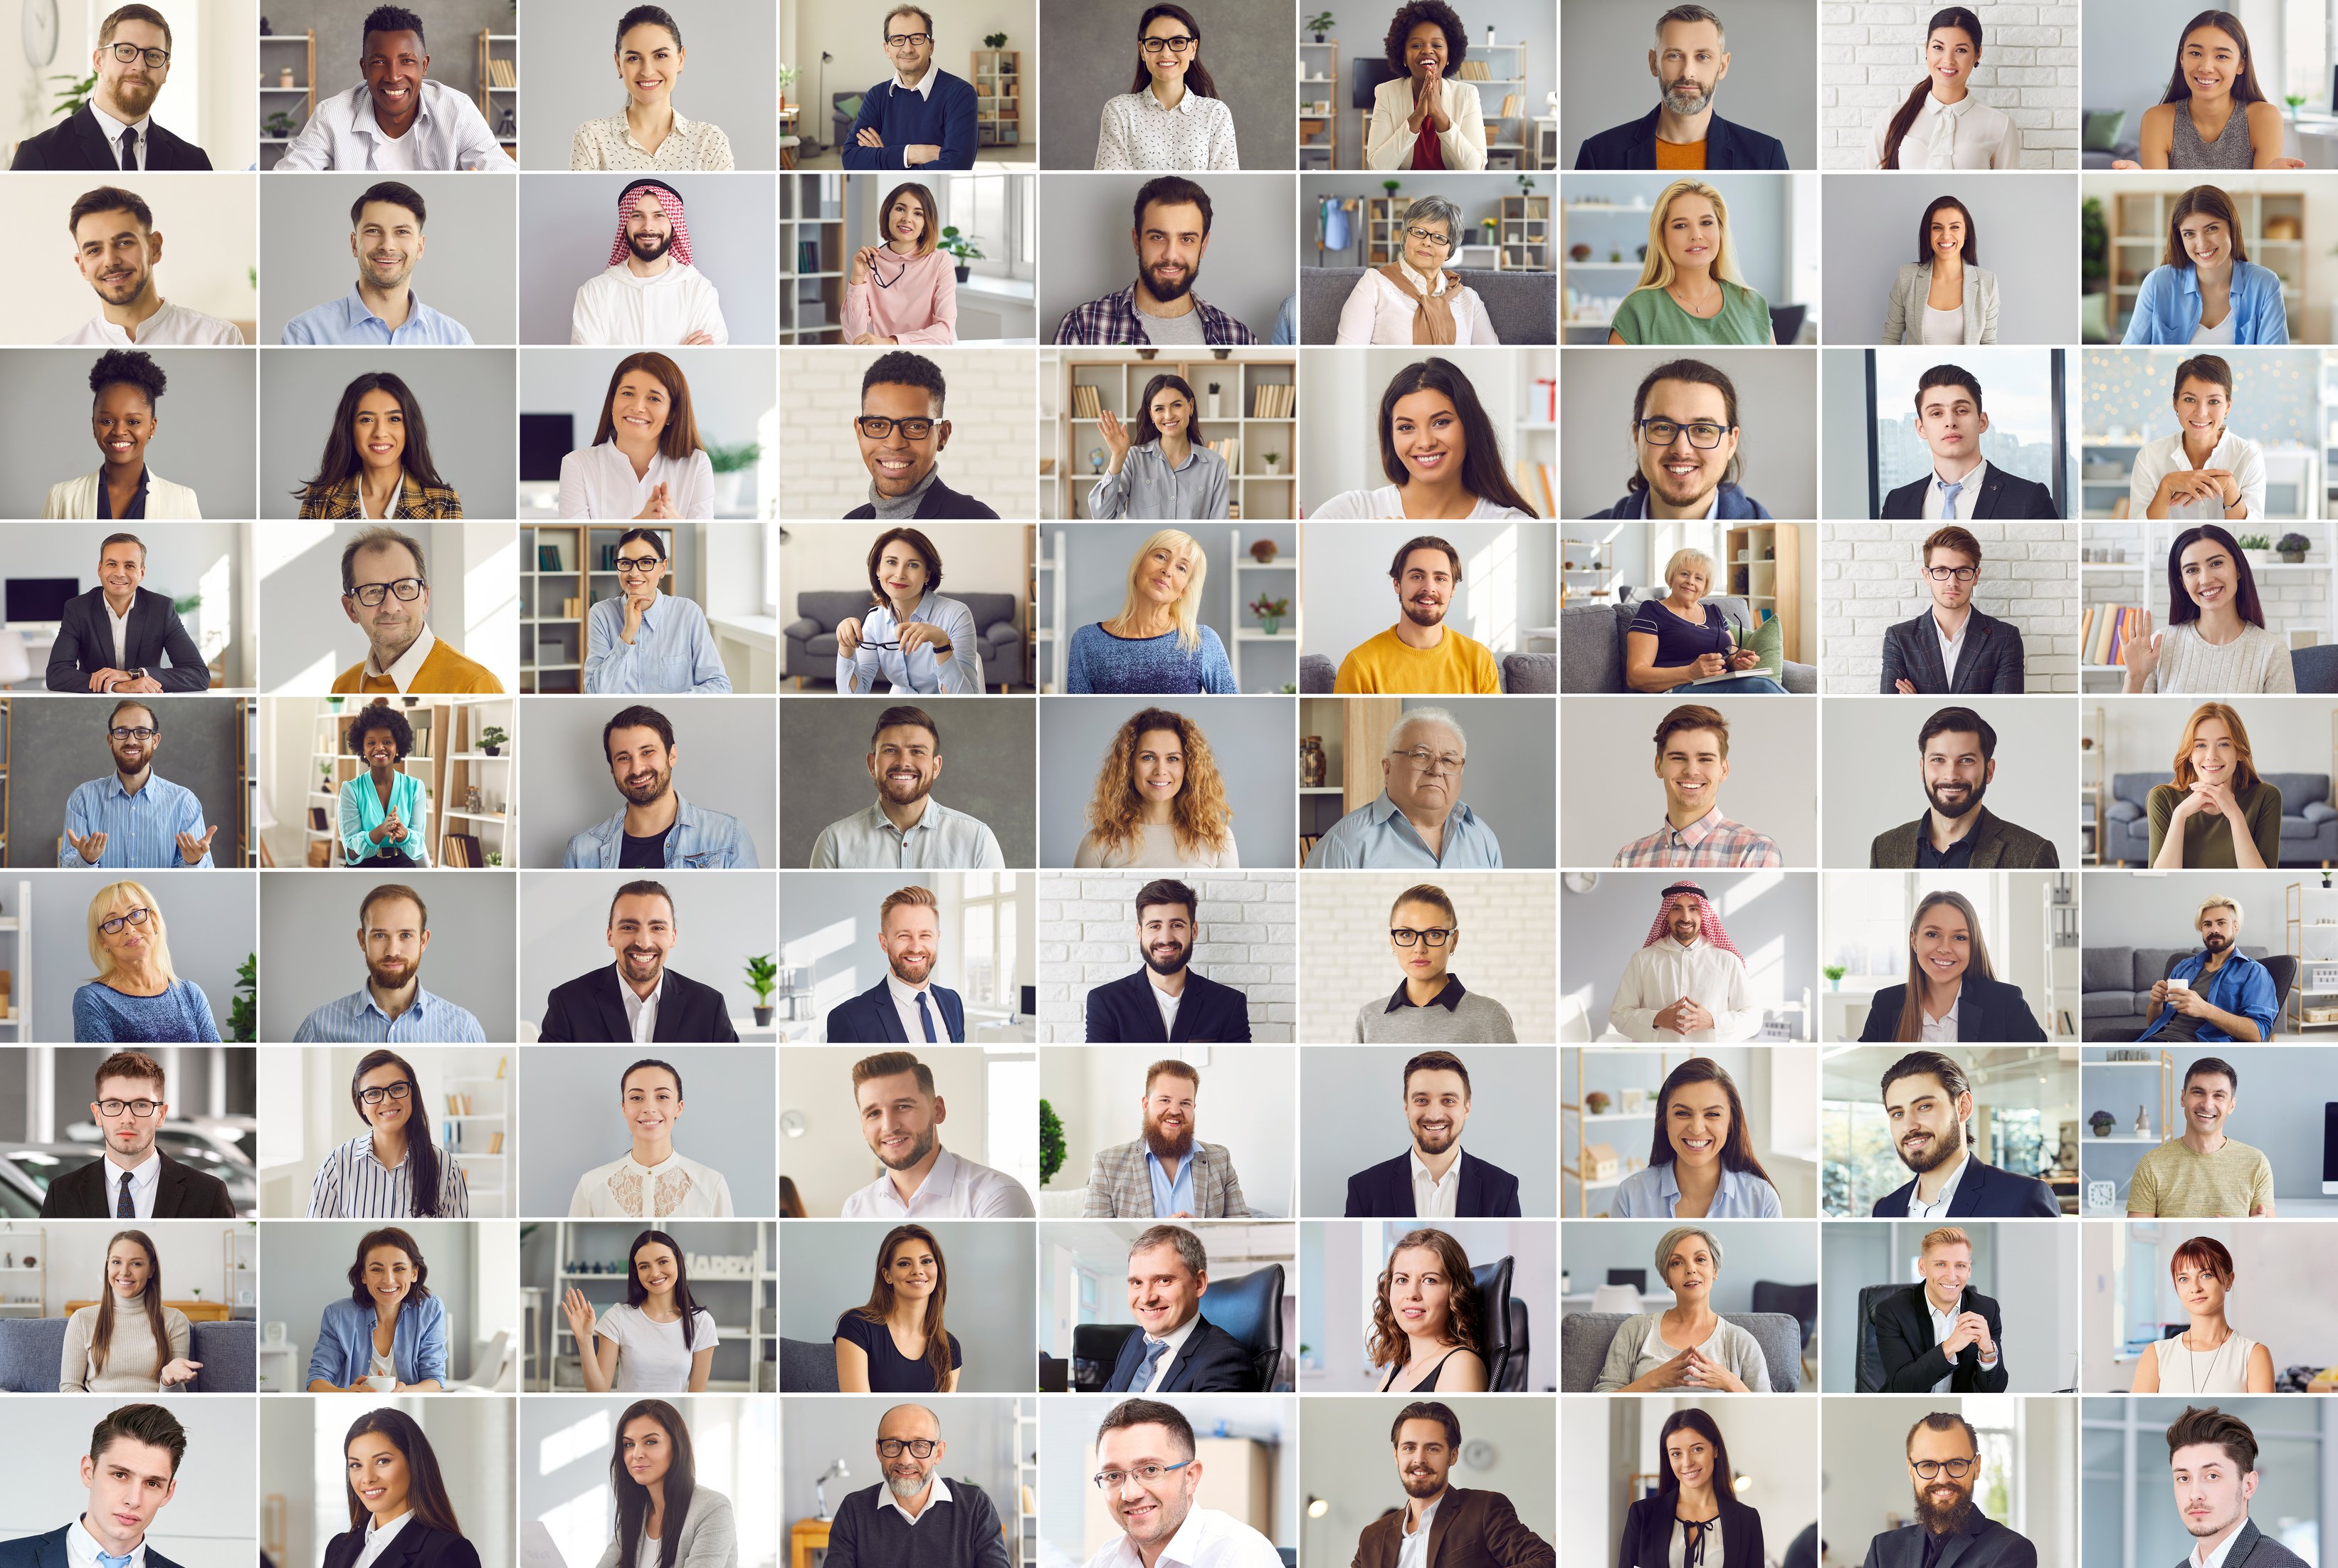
(1154,1350)
(925,1019)
(122,1562)
(1948,493)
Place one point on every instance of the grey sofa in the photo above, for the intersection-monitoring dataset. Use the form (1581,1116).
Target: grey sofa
(1523,306)
(1521,672)
(1591,646)
(2308,823)
(807,1366)
(31,1349)
(811,636)
(1584,1338)
(2315,668)
(2115,985)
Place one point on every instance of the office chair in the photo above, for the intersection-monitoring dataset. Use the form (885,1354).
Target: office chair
(1495,1322)
(1250,1308)
(1871,1356)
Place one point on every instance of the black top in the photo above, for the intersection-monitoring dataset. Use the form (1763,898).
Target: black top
(592,1008)
(136,512)
(1679,643)
(84,643)
(1989,1012)
(1959,854)
(1426,1384)
(644,854)
(78,142)
(418,1545)
(1211,1361)
(1207,1012)
(1449,998)
(181,1193)
(890,1371)
(1633,145)
(49,1552)
(1385,1190)
(2002,495)
(1912,1360)
(1653,1524)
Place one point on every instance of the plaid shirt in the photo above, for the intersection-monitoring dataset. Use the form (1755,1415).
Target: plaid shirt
(1712,840)
(428,503)
(1112,319)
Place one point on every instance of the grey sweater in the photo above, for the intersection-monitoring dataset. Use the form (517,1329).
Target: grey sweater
(710,1537)
(1478,1020)
(962,1532)
(1639,1348)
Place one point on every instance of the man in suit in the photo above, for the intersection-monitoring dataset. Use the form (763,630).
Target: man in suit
(1691,57)
(112,130)
(1940,1337)
(1949,1530)
(1963,487)
(901,433)
(116,636)
(1465,1529)
(1958,749)
(904,1005)
(900,1119)
(1167,1001)
(1927,1100)
(1952,648)
(133,1180)
(1180,1351)
(637,999)
(2212,1458)
(1166,1174)
(1435,1178)
(131,1471)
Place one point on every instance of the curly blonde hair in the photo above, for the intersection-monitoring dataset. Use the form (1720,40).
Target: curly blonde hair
(1200,816)
(1389,1342)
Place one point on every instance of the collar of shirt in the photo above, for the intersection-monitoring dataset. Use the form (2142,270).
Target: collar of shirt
(636,1003)
(362,1145)
(1185,105)
(1421,1171)
(1449,998)
(1433,284)
(923,87)
(409,663)
(650,1173)
(362,123)
(114,128)
(682,129)
(1383,812)
(1728,1198)
(1698,831)
(83,1547)
(904,1001)
(1938,1205)
(1427,1514)
(1935,111)
(356,310)
(934,1191)
(1948,1017)
(941,1494)
(112,787)
(379,1535)
(879,822)
(418,1009)
(153,329)
(2212,1559)
(143,1177)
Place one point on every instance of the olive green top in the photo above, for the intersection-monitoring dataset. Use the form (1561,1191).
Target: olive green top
(2208,836)
(1653,315)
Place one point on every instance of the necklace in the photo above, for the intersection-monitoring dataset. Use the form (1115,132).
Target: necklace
(2204,1381)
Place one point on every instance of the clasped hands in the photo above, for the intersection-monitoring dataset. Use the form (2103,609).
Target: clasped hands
(1685,1016)
(112,679)
(392,829)
(1692,1369)
(1969,1329)
(912,635)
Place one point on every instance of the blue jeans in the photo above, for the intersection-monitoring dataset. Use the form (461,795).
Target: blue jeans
(1743,684)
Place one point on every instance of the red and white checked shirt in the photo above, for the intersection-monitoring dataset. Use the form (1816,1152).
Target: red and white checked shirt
(1712,840)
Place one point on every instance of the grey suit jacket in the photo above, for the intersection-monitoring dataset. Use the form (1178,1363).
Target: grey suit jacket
(1903,318)
(710,1536)
(1983,1542)
(2252,1548)
(1991,661)
(1120,1188)
(1997,846)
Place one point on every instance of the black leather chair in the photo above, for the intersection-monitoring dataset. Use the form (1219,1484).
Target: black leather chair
(1250,1308)
(1501,1331)
(1871,1356)
(1513,1376)
(1800,1302)
(1095,1349)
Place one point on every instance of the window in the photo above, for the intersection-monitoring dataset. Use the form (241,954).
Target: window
(1867,920)
(999,213)
(1011,1097)
(2022,397)
(2305,51)
(1996,1417)
(988,906)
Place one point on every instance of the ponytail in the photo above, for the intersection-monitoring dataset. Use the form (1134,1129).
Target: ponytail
(1900,122)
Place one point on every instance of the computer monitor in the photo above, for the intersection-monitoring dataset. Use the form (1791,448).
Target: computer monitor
(543,440)
(40,598)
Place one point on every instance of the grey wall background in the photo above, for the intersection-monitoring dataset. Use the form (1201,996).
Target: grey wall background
(731,390)
(177,560)
(1772,86)
(568,223)
(2137,909)
(1509,582)
(1611,795)
(2028,1270)
(2024,224)
(1096,583)
(202,427)
(469,397)
(826,1270)
(1844,409)
(2274,1116)
(208,1523)
(722,918)
(1247,271)
(1771,916)
(58,746)
(727,46)
(453,42)
(980,1433)
(206,918)
(606,1242)
(1872,759)
(297,1282)
(468,254)
(1785,1251)
(988,746)
(473,1438)
(1090,54)
(574,1120)
(1777,450)
(310,638)
(310,931)
(722,749)
(1360,27)
(1249,737)
(1361,1089)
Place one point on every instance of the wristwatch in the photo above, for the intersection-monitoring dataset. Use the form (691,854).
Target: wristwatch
(138,674)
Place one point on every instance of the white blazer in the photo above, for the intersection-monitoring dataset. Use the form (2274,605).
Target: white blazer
(1389,145)
(165,502)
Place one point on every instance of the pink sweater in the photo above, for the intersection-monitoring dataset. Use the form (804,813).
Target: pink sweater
(920,307)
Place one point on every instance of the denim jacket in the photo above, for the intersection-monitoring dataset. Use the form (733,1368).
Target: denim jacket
(2168,306)
(418,1345)
(701,838)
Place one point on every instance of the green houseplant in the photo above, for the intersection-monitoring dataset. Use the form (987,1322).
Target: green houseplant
(731,464)
(761,975)
(243,1013)
(965,248)
(1270,612)
(1320,24)
(2101,1122)
(492,739)
(1835,974)
(2293,547)
(1051,1143)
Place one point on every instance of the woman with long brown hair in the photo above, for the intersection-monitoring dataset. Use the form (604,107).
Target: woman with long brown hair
(646,462)
(2206,291)
(376,461)
(392,1170)
(2220,814)
(1945,295)
(1950,993)
(1158,470)
(1701,1163)
(1942,126)
(1159,799)
(1693,1515)
(896,1343)
(2214,84)
(1171,117)
(395,1490)
(659,1339)
(2217,643)
(664,1515)
(1425,1317)
(128,1341)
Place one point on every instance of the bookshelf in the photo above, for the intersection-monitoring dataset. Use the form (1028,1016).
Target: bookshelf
(1588,1123)
(1318,103)
(560,580)
(1614,239)
(480,1138)
(1762,564)
(275,97)
(499,86)
(1350,778)
(997,78)
(25,1287)
(590,1255)
(1272,654)
(1523,234)
(2313,942)
(1534,432)
(447,761)
(1256,413)
(813,258)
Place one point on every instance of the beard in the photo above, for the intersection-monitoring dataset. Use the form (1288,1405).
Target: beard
(642,794)
(1943,1519)
(389,982)
(906,1485)
(638,968)
(1177,289)
(2215,942)
(1686,933)
(1165,1147)
(917,1150)
(1420,617)
(1434,1145)
(1423,1484)
(1684,101)
(903,794)
(1171,965)
(1971,800)
(910,970)
(648,246)
(1946,1147)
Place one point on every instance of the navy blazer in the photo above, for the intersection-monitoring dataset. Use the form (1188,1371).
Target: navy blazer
(1983,1542)
(1211,1361)
(84,643)
(49,1551)
(1989,1012)
(1633,145)
(2002,495)
(1208,1014)
(1983,1192)
(1990,661)
(870,1018)
(1384,1192)
(939,500)
(1912,1359)
(1735,505)
(76,142)
(589,1008)
(181,1193)
(419,1546)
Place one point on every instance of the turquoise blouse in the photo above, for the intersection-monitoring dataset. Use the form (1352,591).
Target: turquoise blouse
(363,812)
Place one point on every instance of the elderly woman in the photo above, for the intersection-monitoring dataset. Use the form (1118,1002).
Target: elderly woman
(1420,118)
(1680,640)
(2210,1356)
(914,642)
(1687,1345)
(1158,470)
(1156,645)
(136,997)
(1415,299)
(384,814)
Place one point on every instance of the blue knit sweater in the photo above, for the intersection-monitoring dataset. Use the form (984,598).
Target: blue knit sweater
(943,118)
(1153,666)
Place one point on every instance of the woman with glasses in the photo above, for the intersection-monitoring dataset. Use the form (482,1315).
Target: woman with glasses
(665,1519)
(392,1170)
(128,1341)
(1682,639)
(125,387)
(646,462)
(1429,1005)
(896,1343)
(1440,453)
(1944,296)
(904,290)
(1156,645)
(1694,1516)
(2210,1356)
(1157,468)
(2219,813)
(1689,290)
(384,815)
(1422,118)
(1159,799)
(1427,1318)
(390,1337)
(376,461)
(649,131)
(658,1340)
(136,997)
(399,1512)
(646,641)
(1688,1345)
(1171,117)
(913,642)
(2206,291)
(1415,299)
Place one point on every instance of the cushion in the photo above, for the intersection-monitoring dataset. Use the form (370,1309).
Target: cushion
(1536,672)
(2108,1004)
(2106,968)
(850,106)
(2102,130)
(1768,641)
(2320,811)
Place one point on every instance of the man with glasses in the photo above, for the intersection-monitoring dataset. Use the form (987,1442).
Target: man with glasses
(657,829)
(1943,1466)
(1681,132)
(651,294)
(1687,982)
(901,433)
(923,117)
(886,1525)
(1148,1474)
(1166,1002)
(1963,485)
(385,590)
(398,118)
(1170,231)
(112,130)
(134,820)
(1683,435)
(1957,749)
(1419,820)
(393,933)
(637,998)
(117,248)
(1940,1337)
(1429,1006)
(1435,1178)
(121,638)
(1952,650)
(134,1180)
(1456,1526)
(1693,764)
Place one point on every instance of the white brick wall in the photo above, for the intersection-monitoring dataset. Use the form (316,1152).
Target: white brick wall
(2030,576)
(1871,56)
(1509,946)
(993,411)
(1249,939)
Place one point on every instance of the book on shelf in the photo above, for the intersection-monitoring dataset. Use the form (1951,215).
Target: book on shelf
(1087,401)
(463,850)
(548,558)
(1272,400)
(2106,630)
(317,819)
(1472,70)
(1230,448)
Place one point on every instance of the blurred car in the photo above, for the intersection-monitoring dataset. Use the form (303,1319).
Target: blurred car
(20,1195)
(188,1143)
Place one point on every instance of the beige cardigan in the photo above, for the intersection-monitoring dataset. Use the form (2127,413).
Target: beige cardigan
(1903,322)
(164,501)
(131,1364)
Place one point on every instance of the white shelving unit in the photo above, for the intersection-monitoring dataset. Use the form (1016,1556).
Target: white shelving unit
(18,1280)
(1050,642)
(1276,579)
(745,1307)
(1027,1481)
(1255,492)
(495,101)
(2060,918)
(1534,437)
(1585,1123)
(2312,941)
(811,297)
(1319,82)
(16,933)
(1615,233)
(484,1172)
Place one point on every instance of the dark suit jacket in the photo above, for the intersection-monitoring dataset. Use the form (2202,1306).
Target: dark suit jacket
(417,1546)
(49,1552)
(2252,1548)
(1384,1192)
(1649,1532)
(1991,660)
(1472,1529)
(1633,145)
(872,1017)
(1208,1014)
(1732,503)
(1983,1542)
(1912,1362)
(939,500)
(86,643)
(1983,1192)
(76,142)
(1211,1361)
(589,1009)
(2002,495)
(1997,846)
(1987,1010)
(181,1193)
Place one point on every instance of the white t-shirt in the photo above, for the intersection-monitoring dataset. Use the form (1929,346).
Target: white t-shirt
(651,1357)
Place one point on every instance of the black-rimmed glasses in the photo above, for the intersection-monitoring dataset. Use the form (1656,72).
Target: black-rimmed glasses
(142,1109)
(918,1447)
(1930,1469)
(1703,434)
(370,594)
(1962,573)
(895,40)
(127,54)
(112,925)
(132,732)
(876,427)
(1431,236)
(1176,46)
(380,1091)
(1435,936)
(1146,1474)
(638,563)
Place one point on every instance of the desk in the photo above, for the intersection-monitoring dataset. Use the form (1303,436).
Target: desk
(749,647)
(806,1536)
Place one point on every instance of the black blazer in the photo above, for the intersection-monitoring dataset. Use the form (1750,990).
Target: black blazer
(49,1551)
(181,1193)
(1988,1011)
(1991,660)
(1211,1361)
(1633,145)
(1912,1361)
(1649,1531)
(1983,1542)
(1208,1014)
(2002,495)
(86,643)
(76,142)
(872,1017)
(1983,1192)
(589,1008)
(939,500)
(419,1546)
(1384,1192)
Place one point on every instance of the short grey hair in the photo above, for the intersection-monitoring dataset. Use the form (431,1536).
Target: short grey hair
(1692,13)
(1434,209)
(1190,1250)
(1673,1238)
(1413,716)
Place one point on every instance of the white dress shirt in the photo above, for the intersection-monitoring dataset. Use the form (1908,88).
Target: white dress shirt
(170,325)
(1966,134)
(114,128)
(378,1537)
(83,1550)
(1435,1198)
(640,1012)
(1168,1003)
(2200,1553)
(904,1007)
(675,1186)
(1944,1027)
(144,1179)
(1209,1538)
(120,625)
(1175,1341)
(1950,647)
(621,310)
(402,674)
(1412,1543)
(1943,1324)
(598,482)
(2155,460)
(449,133)
(1936,493)
(1937,1208)
(953,1189)
(940,1495)
(1664,972)
(1378,311)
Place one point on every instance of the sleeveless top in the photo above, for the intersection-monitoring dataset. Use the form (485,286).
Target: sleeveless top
(2231,149)
(2224,1370)
(1426,1384)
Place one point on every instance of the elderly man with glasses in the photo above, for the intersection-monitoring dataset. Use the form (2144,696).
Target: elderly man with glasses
(385,590)
(1419,820)
(1414,299)
(136,819)
(913,1516)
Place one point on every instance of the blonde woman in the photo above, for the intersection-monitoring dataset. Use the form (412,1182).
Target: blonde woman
(1689,290)
(1683,638)
(136,998)
(1416,300)
(1156,645)
(1159,799)
(1426,1318)
(128,1341)
(904,290)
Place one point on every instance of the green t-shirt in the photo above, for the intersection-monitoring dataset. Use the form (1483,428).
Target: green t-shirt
(1653,315)
(2172,1182)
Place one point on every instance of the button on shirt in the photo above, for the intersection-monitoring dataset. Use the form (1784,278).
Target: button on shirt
(1943,1324)
(1944,1027)
(1209,1538)
(599,481)
(1378,836)
(358,1019)
(940,839)
(640,1012)
(1937,1208)
(449,133)
(1435,1198)
(1147,486)
(1966,134)
(673,650)
(144,1179)
(170,324)
(2235,453)
(350,320)
(120,625)
(142,831)
(1412,1541)
(1170,1195)
(904,1007)
(872,667)
(953,1189)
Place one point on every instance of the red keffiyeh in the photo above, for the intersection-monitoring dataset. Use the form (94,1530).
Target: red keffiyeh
(668,197)
(1711,931)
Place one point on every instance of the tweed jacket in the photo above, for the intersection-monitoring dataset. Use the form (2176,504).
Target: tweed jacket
(1121,1188)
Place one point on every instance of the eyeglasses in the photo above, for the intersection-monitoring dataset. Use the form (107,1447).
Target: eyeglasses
(112,925)
(895,40)
(1703,434)
(156,58)
(1962,573)
(1930,1469)
(370,594)
(398,1090)
(142,1109)
(1145,1474)
(1176,46)
(1431,236)
(918,1447)
(1443,761)
(638,563)
(1435,936)
(876,427)
(132,732)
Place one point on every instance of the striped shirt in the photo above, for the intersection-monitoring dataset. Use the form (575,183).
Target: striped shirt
(358,1019)
(352,1184)
(142,831)
(1712,840)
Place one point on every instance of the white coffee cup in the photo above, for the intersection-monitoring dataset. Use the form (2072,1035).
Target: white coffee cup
(382,1383)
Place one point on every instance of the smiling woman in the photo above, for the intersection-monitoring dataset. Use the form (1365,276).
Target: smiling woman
(376,460)
(896,1342)
(395,1488)
(649,131)
(390,1335)
(125,388)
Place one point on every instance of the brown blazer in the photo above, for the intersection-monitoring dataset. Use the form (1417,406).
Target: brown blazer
(1997,844)
(1471,1530)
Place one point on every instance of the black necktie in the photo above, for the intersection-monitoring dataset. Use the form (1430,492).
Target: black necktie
(130,148)
(126,1210)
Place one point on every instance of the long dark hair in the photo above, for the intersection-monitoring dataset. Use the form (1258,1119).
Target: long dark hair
(1967,24)
(1736,1150)
(1971,251)
(426,1490)
(636,1293)
(1694,1420)
(1912,1007)
(1704,374)
(341,463)
(1482,473)
(2244,89)
(421,1153)
(1144,429)
(1389,1342)
(1197,76)
(633,1499)
(2181,605)
(102,1342)
(2211,201)
(880,1305)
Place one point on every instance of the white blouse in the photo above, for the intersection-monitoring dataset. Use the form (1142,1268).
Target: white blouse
(1387,144)
(691,144)
(1943,325)
(1966,134)
(1378,311)
(2243,457)
(598,482)
(1135,132)
(1386,504)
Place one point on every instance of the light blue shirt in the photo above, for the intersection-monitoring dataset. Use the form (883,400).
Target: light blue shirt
(1653,1192)
(142,831)
(449,133)
(363,812)
(943,839)
(349,319)
(2168,306)
(921,673)
(1168,1197)
(1376,836)
(358,1019)
(701,838)
(344,1349)
(673,652)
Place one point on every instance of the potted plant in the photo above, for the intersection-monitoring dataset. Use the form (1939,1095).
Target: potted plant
(1051,1143)
(492,739)
(243,1013)
(2293,547)
(963,247)
(1270,612)
(731,464)
(1835,974)
(994,41)
(279,127)
(2093,272)
(1598,1101)
(2256,546)
(1390,186)
(761,975)
(1213,403)
(1319,25)
(1273,462)
(1264,551)
(2295,101)
(2101,1122)
(496,858)
(788,75)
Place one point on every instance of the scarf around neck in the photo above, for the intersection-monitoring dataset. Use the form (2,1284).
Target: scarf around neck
(1433,322)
